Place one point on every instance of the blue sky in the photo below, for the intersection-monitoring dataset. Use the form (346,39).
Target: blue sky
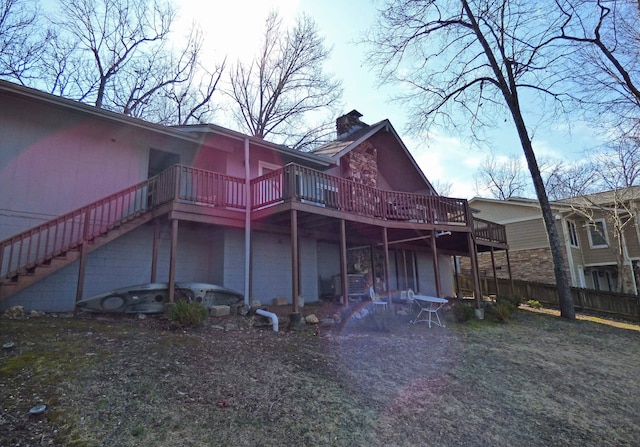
(234,28)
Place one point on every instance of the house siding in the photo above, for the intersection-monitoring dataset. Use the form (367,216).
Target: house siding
(55,293)
(272,268)
(80,158)
(127,261)
(426,275)
(234,262)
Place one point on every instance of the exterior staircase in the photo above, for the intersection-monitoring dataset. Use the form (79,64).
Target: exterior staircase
(30,256)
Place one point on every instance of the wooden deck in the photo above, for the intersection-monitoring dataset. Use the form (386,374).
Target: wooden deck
(195,194)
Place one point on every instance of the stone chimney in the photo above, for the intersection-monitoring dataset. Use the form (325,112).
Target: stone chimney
(349,123)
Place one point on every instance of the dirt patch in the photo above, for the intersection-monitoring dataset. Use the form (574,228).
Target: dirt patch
(537,380)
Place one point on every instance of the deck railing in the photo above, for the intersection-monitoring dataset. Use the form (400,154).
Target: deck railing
(25,250)
(58,235)
(489,231)
(207,188)
(186,184)
(298,183)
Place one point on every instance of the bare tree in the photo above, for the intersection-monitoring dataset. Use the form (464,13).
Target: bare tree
(21,40)
(619,164)
(442,187)
(469,56)
(604,37)
(284,85)
(564,180)
(502,178)
(116,55)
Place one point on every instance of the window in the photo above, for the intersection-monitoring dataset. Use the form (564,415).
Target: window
(269,190)
(597,233)
(573,234)
(265,168)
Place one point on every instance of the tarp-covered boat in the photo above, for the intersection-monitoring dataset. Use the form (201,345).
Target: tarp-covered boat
(152,297)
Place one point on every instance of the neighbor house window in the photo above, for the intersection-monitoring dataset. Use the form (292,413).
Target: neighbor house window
(573,233)
(597,233)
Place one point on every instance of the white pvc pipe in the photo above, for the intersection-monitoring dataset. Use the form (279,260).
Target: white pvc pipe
(274,317)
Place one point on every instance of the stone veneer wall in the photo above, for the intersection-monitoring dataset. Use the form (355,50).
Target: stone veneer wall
(361,165)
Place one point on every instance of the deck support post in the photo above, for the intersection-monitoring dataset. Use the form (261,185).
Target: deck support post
(82,268)
(513,291)
(495,276)
(154,250)
(295,268)
(387,271)
(248,251)
(84,251)
(436,265)
(475,274)
(172,260)
(343,263)
(456,275)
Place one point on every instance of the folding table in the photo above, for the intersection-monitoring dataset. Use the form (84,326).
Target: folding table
(429,305)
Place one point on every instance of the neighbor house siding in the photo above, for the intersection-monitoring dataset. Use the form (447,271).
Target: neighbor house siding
(633,244)
(527,234)
(503,211)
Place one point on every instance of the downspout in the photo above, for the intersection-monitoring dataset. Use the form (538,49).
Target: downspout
(274,318)
(247,226)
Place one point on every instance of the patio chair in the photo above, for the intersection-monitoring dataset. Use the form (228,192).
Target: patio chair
(376,301)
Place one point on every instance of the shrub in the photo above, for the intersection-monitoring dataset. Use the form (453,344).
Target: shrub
(534,303)
(463,312)
(502,310)
(514,301)
(188,313)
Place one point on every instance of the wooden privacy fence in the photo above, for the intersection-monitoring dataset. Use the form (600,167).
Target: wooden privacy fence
(617,305)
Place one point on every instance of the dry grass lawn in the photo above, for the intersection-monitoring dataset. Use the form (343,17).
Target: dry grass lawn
(537,380)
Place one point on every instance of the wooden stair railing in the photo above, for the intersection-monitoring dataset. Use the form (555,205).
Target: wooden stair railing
(23,252)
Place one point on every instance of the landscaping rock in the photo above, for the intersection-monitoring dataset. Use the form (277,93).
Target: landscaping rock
(14,313)
(312,319)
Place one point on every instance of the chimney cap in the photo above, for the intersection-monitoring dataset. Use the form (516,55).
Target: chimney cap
(355,114)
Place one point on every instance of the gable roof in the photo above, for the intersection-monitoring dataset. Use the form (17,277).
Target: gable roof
(511,210)
(287,152)
(340,147)
(190,133)
(604,198)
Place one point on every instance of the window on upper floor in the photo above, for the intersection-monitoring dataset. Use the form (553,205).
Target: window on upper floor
(265,167)
(573,233)
(597,232)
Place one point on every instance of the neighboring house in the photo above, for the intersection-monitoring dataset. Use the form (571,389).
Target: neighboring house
(93,200)
(595,257)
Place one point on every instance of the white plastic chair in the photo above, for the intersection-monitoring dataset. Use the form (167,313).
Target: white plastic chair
(376,301)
